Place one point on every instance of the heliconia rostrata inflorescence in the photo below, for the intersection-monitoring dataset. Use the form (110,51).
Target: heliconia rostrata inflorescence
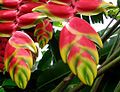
(77,38)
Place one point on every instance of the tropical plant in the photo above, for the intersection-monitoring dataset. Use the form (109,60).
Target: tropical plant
(50,46)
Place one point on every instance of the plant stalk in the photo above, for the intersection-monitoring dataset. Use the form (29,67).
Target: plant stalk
(99,79)
(108,34)
(117,52)
(110,23)
(63,83)
(108,66)
(96,83)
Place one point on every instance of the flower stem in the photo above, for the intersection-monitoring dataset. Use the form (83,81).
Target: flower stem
(108,34)
(108,66)
(108,59)
(111,57)
(96,84)
(63,83)
(110,23)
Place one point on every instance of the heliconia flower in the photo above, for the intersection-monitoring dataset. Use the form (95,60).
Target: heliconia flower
(27,1)
(63,1)
(43,32)
(83,30)
(29,20)
(7,28)
(22,40)
(18,62)
(55,11)
(8,15)
(82,63)
(91,7)
(77,48)
(10,3)
(27,8)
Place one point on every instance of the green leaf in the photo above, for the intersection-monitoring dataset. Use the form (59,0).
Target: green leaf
(117,88)
(118,3)
(46,60)
(54,47)
(52,74)
(2,90)
(97,18)
(8,82)
(86,18)
(103,52)
(57,24)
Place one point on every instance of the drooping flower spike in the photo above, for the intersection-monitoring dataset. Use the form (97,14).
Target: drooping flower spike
(55,11)
(91,7)
(78,50)
(18,58)
(17,63)
(43,32)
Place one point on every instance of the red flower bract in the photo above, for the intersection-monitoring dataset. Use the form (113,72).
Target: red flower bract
(10,3)
(87,5)
(27,8)
(28,20)
(59,10)
(7,28)
(8,15)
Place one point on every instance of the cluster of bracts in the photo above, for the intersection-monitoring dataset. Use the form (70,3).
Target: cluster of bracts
(77,37)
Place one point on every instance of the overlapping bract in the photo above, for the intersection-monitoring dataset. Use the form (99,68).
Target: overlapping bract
(7,28)
(91,7)
(18,59)
(29,20)
(43,32)
(77,48)
(9,3)
(55,11)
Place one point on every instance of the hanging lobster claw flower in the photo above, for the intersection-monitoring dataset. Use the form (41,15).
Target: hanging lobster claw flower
(22,40)
(6,29)
(77,48)
(18,58)
(43,32)
(18,63)
(10,3)
(7,15)
(29,20)
(27,8)
(91,7)
(51,9)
